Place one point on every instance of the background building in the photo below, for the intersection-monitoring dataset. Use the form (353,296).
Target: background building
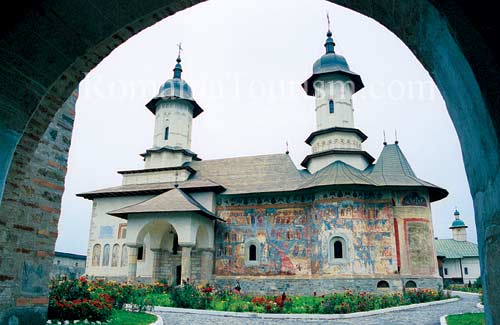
(458,259)
(68,265)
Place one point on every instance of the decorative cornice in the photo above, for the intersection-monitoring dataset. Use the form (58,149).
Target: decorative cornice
(365,154)
(336,129)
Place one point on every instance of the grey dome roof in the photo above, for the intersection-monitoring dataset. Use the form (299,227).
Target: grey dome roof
(331,63)
(175,88)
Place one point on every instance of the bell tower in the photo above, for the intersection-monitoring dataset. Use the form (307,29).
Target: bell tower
(174,108)
(333,84)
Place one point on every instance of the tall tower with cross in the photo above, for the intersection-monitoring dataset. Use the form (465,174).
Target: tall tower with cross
(174,108)
(333,84)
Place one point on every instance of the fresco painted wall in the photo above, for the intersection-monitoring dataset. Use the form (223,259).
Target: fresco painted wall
(294,234)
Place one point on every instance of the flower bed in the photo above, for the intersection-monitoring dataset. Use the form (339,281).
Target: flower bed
(95,300)
(211,298)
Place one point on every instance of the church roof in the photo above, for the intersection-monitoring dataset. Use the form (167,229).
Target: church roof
(194,185)
(278,173)
(337,173)
(251,174)
(393,169)
(175,200)
(450,248)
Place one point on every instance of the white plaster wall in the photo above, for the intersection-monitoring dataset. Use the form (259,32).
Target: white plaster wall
(165,159)
(336,140)
(357,161)
(67,261)
(459,234)
(206,199)
(156,177)
(101,218)
(472,263)
(177,115)
(340,91)
(453,266)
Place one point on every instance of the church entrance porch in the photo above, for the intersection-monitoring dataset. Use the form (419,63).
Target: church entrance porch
(171,247)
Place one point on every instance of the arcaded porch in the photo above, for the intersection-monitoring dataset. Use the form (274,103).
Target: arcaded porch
(180,234)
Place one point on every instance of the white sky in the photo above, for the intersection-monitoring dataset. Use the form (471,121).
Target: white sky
(245,61)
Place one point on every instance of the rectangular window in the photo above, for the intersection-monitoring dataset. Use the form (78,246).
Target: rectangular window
(166,133)
(445,271)
(466,270)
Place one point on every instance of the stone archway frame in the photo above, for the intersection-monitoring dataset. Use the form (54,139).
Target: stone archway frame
(449,38)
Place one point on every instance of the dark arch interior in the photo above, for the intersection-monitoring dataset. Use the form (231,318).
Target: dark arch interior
(383,284)
(410,284)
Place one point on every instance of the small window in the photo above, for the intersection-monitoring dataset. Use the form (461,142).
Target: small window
(337,249)
(466,270)
(252,254)
(166,133)
(383,284)
(140,253)
(332,106)
(445,271)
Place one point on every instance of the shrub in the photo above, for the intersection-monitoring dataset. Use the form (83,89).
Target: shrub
(188,296)
(73,299)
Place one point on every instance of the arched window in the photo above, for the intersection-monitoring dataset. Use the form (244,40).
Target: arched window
(124,260)
(252,254)
(337,249)
(96,255)
(410,284)
(115,255)
(105,255)
(383,284)
(331,105)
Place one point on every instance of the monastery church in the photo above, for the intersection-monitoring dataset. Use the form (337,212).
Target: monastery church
(343,221)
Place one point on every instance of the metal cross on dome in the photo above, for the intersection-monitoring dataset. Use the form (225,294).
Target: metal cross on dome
(179,45)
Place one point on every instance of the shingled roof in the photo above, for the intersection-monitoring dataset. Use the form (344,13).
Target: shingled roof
(174,200)
(278,173)
(337,173)
(198,184)
(450,248)
(393,169)
(252,174)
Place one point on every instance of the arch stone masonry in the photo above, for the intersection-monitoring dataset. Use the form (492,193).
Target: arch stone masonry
(46,49)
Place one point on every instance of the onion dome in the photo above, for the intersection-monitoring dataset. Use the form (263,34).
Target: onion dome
(457,223)
(175,88)
(331,63)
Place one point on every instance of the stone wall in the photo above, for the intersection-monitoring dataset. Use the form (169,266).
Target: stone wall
(29,215)
(320,285)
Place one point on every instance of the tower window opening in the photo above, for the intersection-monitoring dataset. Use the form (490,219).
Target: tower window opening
(331,104)
(252,256)
(166,133)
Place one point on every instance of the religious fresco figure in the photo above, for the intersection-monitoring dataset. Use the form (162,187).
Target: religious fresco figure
(115,255)
(96,255)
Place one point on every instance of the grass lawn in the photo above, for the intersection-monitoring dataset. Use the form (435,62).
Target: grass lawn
(466,319)
(122,317)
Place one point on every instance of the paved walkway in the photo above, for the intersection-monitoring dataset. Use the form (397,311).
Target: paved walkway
(428,315)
